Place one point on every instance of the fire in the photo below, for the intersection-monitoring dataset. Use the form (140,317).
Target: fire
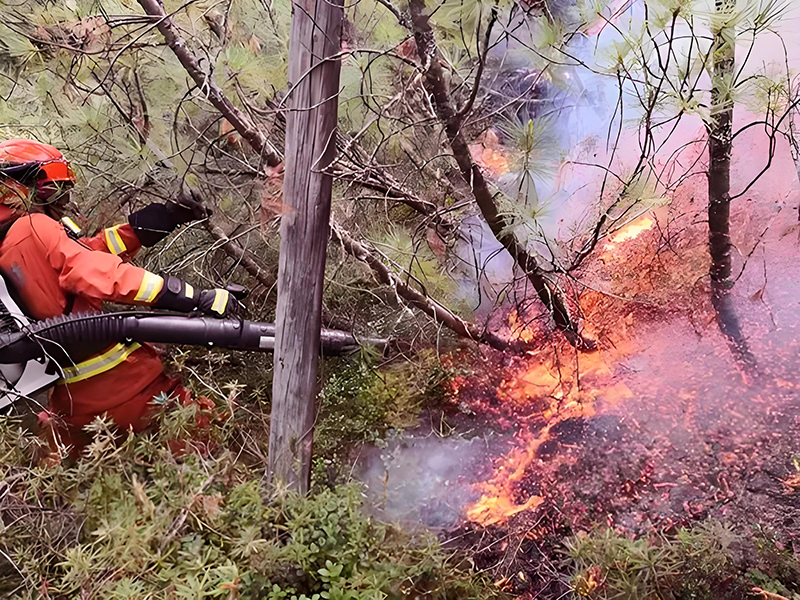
(559,390)
(518,328)
(629,232)
(488,153)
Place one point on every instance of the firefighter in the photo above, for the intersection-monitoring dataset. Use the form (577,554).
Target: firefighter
(53,273)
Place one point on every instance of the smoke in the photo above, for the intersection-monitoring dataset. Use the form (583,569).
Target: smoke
(422,479)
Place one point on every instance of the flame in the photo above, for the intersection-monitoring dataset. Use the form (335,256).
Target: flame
(631,231)
(488,153)
(518,328)
(562,390)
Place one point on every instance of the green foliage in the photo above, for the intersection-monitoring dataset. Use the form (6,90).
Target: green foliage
(359,403)
(695,563)
(628,568)
(415,257)
(153,516)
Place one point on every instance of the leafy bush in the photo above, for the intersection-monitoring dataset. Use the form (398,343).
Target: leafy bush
(158,516)
(696,563)
(359,402)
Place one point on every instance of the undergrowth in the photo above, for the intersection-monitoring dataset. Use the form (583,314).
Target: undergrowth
(156,516)
(708,561)
(360,404)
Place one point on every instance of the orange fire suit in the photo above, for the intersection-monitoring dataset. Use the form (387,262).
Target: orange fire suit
(54,274)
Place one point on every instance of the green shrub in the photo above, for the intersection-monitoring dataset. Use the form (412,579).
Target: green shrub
(153,516)
(696,563)
(360,402)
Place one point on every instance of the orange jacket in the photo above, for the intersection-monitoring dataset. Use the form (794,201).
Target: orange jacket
(54,274)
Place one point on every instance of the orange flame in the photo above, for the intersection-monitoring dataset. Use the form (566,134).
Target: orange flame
(629,232)
(557,385)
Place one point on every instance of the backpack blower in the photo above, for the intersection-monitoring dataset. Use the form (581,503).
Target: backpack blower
(32,354)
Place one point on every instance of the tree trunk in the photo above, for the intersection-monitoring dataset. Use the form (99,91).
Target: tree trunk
(436,85)
(720,146)
(310,150)
(719,151)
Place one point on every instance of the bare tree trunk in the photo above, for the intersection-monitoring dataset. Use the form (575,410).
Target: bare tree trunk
(720,147)
(719,151)
(436,85)
(310,150)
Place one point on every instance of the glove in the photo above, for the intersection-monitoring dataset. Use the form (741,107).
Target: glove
(180,296)
(218,303)
(156,221)
(187,207)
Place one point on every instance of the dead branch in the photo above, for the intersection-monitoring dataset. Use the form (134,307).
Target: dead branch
(353,164)
(423,302)
(243,124)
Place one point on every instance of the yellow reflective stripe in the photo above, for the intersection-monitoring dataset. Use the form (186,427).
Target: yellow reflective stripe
(189,291)
(151,285)
(99,364)
(114,240)
(221,298)
(71,225)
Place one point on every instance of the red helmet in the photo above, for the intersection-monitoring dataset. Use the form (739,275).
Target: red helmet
(25,158)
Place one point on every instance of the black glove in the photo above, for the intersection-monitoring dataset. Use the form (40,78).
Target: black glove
(218,303)
(180,296)
(156,221)
(189,207)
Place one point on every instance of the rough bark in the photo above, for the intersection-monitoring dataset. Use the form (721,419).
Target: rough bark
(729,325)
(719,152)
(435,84)
(417,299)
(243,124)
(310,150)
(720,147)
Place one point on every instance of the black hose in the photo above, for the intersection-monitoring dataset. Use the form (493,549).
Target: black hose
(67,337)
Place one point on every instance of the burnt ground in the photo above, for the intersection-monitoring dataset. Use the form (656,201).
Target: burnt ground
(694,442)
(668,425)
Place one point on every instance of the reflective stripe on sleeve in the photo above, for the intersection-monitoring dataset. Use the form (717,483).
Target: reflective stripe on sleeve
(71,225)
(221,298)
(151,285)
(189,291)
(114,240)
(99,364)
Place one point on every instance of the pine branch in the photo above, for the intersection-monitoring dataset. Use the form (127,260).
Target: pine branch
(435,84)
(353,164)
(248,129)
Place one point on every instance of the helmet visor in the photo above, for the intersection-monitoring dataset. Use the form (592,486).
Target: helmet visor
(53,192)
